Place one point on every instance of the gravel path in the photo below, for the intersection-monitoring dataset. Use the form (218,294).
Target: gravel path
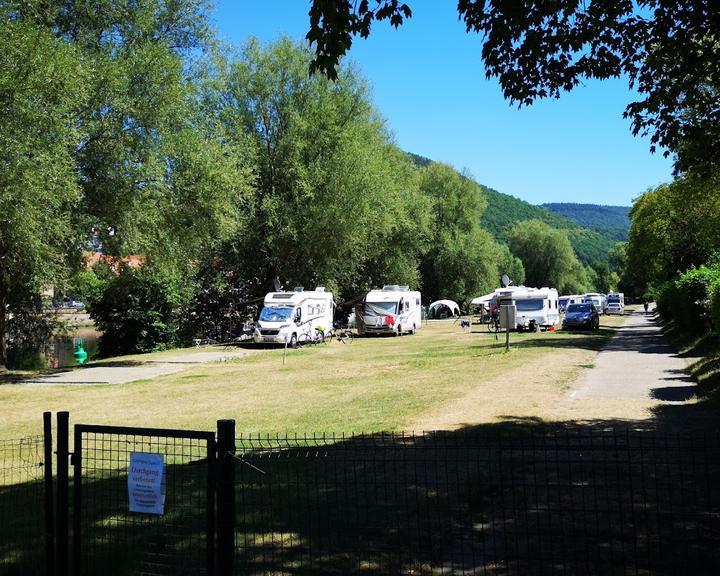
(147,369)
(638,363)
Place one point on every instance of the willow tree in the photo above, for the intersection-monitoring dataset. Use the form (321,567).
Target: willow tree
(335,203)
(547,256)
(41,83)
(463,259)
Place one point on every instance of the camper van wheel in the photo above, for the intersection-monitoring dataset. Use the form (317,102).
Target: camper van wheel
(293,341)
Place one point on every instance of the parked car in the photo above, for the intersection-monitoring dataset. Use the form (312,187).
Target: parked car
(583,315)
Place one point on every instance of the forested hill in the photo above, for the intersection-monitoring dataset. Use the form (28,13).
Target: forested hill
(611,221)
(504,211)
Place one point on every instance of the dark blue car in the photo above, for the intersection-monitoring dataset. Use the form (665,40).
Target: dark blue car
(583,315)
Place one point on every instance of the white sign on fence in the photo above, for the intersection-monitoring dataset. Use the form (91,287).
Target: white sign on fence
(146,489)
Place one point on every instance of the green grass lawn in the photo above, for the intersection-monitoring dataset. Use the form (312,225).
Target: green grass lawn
(439,378)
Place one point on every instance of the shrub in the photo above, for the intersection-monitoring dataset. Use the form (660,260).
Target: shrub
(715,305)
(25,358)
(690,305)
(138,312)
(665,295)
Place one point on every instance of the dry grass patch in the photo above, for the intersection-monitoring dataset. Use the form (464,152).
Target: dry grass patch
(441,377)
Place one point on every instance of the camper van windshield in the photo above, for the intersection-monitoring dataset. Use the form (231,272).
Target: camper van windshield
(529,305)
(612,298)
(276,314)
(380,308)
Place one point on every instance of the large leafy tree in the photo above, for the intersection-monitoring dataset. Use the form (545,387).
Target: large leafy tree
(674,227)
(41,83)
(142,168)
(154,176)
(547,256)
(667,49)
(463,258)
(336,203)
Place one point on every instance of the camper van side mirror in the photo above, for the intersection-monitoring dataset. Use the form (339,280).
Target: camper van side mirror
(298,316)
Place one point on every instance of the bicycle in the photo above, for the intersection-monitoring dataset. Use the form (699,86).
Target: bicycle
(345,336)
(493,324)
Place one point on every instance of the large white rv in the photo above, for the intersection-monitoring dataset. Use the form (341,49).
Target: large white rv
(294,316)
(597,300)
(536,308)
(565,301)
(393,310)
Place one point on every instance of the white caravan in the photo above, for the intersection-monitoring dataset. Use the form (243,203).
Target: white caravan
(393,310)
(597,300)
(536,308)
(616,303)
(294,316)
(565,301)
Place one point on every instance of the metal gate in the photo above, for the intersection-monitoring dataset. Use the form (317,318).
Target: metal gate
(109,539)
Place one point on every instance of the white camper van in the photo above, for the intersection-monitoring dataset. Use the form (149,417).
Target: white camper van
(597,300)
(393,310)
(294,316)
(565,301)
(616,303)
(536,308)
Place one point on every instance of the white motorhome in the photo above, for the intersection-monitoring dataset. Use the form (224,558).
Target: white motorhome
(568,299)
(536,308)
(597,300)
(393,310)
(294,316)
(616,303)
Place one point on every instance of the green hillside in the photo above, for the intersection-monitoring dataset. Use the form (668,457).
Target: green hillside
(504,211)
(610,221)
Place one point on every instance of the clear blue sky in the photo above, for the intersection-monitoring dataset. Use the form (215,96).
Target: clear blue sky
(429,84)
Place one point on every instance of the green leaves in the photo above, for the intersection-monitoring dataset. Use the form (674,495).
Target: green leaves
(41,82)
(547,256)
(335,202)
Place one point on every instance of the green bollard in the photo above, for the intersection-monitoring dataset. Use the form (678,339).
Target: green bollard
(80,354)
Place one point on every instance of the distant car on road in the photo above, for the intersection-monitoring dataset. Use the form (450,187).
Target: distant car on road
(583,315)
(75,304)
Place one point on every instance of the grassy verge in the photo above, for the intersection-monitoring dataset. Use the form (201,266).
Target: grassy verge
(440,378)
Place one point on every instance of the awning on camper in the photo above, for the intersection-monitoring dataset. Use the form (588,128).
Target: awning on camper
(453,306)
(482,300)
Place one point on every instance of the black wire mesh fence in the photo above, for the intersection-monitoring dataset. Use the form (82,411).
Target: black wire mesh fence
(108,538)
(507,500)
(538,501)
(22,507)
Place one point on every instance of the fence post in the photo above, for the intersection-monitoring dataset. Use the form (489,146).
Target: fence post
(61,517)
(49,500)
(226,497)
(76,461)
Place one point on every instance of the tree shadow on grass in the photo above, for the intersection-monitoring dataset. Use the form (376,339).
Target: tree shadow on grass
(520,496)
